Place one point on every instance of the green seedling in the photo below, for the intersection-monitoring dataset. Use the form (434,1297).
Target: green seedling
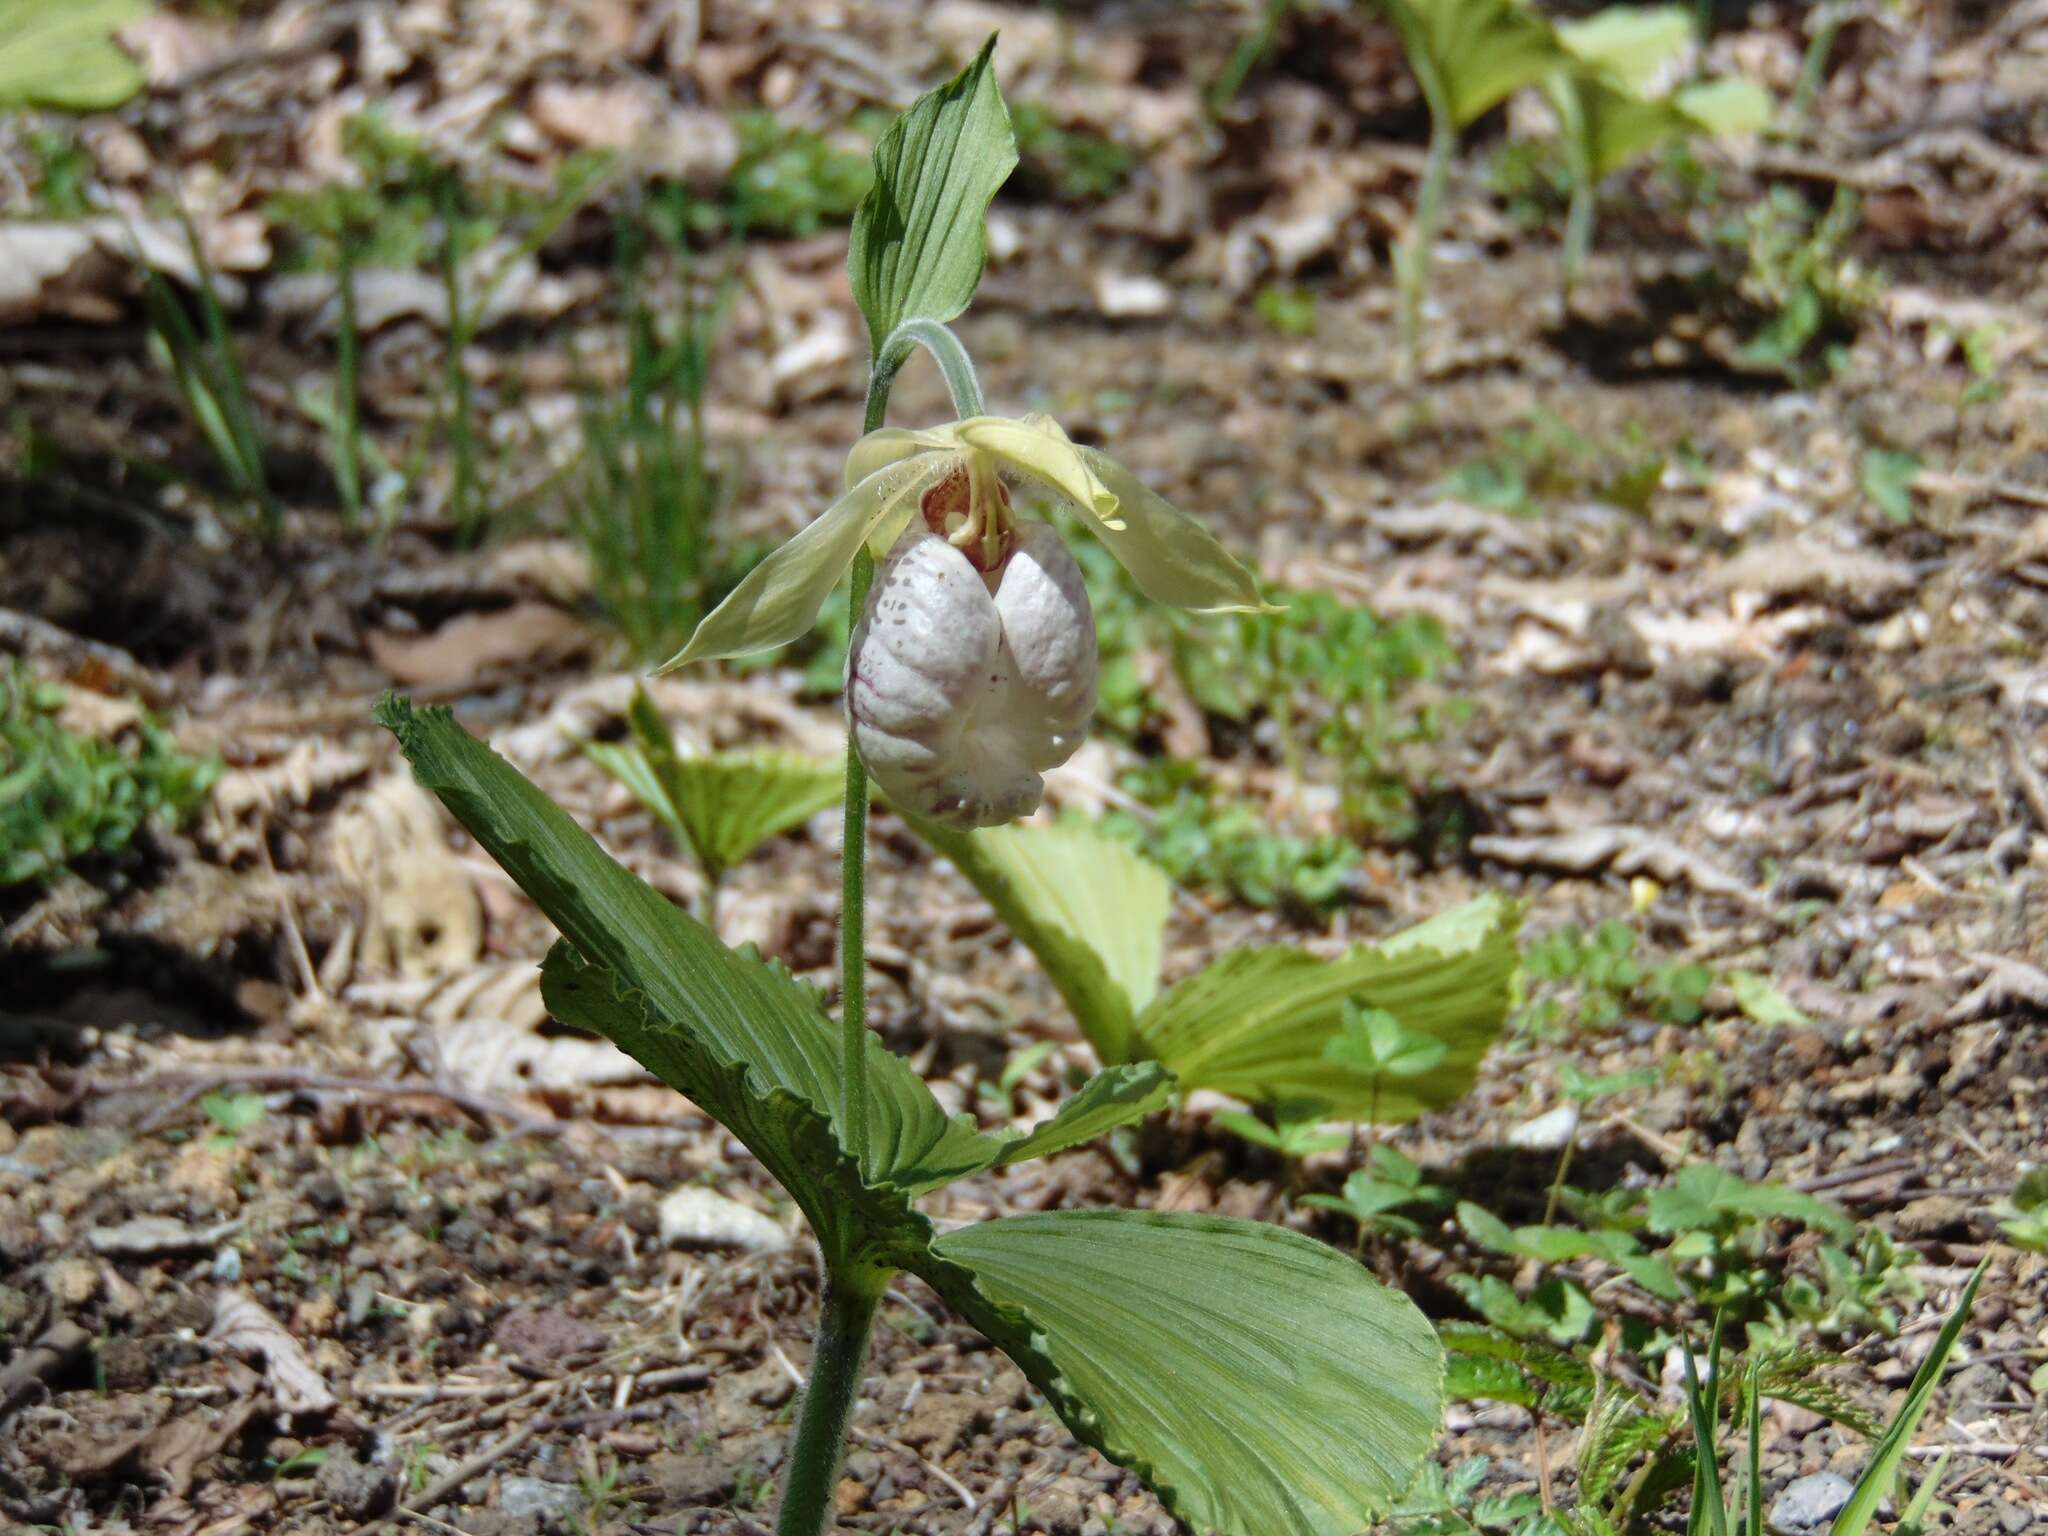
(232,1113)
(2024,1216)
(1168,1342)
(1581,1090)
(643,504)
(62,54)
(1802,289)
(1069,164)
(721,806)
(1377,1195)
(1375,1044)
(206,367)
(1468,56)
(1886,477)
(790,181)
(1287,310)
(1293,1137)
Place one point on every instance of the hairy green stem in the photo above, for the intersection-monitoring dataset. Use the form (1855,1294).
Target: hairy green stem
(958,370)
(844,1323)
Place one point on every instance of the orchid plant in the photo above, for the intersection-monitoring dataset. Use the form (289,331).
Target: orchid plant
(1262,1383)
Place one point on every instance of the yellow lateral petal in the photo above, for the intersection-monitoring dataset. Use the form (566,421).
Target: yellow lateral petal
(779,600)
(1037,446)
(1172,558)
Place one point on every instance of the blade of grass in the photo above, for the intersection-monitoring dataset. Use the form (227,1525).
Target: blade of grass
(1882,1474)
(1709,1515)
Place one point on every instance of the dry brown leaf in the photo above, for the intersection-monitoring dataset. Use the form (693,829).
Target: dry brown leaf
(462,651)
(1626,850)
(242,1326)
(419,912)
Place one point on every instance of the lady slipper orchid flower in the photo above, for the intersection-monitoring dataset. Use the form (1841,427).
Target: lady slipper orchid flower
(972,668)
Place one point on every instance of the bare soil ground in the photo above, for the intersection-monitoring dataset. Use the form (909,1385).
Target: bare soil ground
(1819,734)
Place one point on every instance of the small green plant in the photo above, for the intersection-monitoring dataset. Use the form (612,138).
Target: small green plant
(206,367)
(2024,1215)
(232,1114)
(1883,1476)
(1286,309)
(720,806)
(1805,291)
(1293,1138)
(791,181)
(1546,460)
(646,494)
(68,799)
(1378,1196)
(1207,840)
(1611,112)
(1372,1042)
(1886,476)
(1070,164)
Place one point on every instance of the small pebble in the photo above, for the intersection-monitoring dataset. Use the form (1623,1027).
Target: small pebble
(1810,1502)
(702,1218)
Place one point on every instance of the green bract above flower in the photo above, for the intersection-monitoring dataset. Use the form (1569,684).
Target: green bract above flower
(891,473)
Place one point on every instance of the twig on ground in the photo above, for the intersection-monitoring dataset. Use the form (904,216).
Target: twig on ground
(1837,1178)
(198,1084)
(462,1473)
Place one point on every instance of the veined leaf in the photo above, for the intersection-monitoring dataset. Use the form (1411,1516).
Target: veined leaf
(733,1006)
(1702,1195)
(1092,911)
(722,805)
(1113,1097)
(1255,1024)
(1262,1383)
(1482,51)
(919,236)
(62,54)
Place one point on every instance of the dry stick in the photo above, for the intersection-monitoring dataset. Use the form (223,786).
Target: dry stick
(480,1463)
(2032,790)
(1856,1175)
(198,1083)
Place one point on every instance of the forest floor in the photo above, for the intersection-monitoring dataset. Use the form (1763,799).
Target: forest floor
(1783,714)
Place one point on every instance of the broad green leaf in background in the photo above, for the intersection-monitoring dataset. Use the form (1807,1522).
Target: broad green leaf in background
(1092,911)
(723,805)
(1482,51)
(1263,1383)
(1755,996)
(1256,1023)
(62,54)
(919,238)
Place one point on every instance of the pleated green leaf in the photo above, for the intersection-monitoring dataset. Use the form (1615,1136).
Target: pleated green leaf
(1262,1383)
(919,237)
(1091,910)
(1256,1024)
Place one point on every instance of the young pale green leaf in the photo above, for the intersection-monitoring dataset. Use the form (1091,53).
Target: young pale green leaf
(1879,1477)
(919,237)
(1755,996)
(736,1008)
(1630,45)
(1092,911)
(62,54)
(1482,51)
(729,803)
(1256,1023)
(1107,1100)
(1262,1383)
(1704,1197)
